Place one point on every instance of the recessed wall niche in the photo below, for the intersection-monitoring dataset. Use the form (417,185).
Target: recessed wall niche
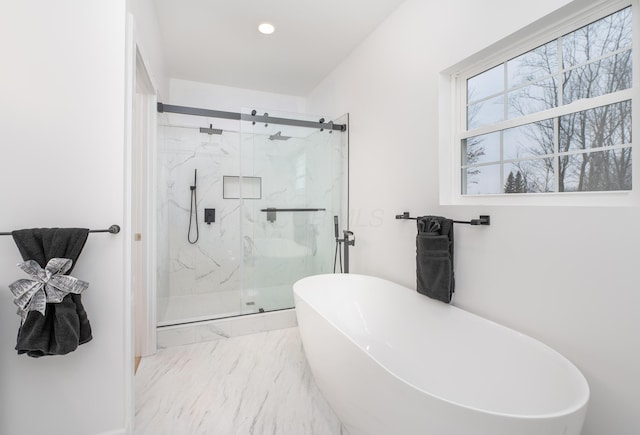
(234,187)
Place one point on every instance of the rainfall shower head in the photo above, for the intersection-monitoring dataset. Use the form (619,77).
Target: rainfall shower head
(279,136)
(210,130)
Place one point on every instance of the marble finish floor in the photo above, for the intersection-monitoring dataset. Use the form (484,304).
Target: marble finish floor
(257,384)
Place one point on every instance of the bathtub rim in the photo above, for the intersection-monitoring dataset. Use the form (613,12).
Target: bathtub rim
(580,407)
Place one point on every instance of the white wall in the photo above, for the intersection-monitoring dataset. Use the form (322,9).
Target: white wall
(149,41)
(62,129)
(568,276)
(230,99)
(227,99)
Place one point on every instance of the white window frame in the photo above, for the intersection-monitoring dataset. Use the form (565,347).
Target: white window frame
(453,113)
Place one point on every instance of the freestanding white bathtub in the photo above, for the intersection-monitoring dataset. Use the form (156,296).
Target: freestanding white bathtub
(391,361)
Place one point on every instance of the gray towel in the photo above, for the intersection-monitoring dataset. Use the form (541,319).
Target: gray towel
(434,258)
(65,325)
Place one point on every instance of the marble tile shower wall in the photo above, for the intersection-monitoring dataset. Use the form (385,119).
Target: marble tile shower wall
(326,181)
(213,264)
(299,173)
(242,249)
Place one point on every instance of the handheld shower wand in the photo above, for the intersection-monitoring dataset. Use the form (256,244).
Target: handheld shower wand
(338,242)
(193,207)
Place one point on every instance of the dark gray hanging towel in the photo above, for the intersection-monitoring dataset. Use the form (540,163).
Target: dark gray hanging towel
(65,325)
(434,257)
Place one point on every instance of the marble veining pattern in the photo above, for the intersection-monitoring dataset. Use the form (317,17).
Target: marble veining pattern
(252,385)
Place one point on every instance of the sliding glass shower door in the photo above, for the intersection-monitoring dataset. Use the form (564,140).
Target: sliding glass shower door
(288,233)
(273,190)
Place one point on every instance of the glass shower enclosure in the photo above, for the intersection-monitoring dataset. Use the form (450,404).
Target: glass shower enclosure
(270,185)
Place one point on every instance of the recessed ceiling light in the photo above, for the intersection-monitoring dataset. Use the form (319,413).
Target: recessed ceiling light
(266,28)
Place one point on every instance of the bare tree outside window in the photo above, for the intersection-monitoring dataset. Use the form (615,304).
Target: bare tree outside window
(587,150)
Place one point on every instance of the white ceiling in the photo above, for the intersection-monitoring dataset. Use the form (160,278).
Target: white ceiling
(217,41)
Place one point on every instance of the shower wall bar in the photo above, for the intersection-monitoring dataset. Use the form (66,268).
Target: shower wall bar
(292,209)
(254,117)
(271,212)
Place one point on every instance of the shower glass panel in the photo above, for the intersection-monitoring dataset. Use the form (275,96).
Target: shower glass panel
(202,280)
(289,232)
(247,260)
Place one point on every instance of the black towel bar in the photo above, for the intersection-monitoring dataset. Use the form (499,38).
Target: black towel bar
(484,219)
(113,229)
(292,209)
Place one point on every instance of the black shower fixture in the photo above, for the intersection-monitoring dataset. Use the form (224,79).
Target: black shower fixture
(193,209)
(210,130)
(279,136)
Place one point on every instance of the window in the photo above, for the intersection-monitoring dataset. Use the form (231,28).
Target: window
(556,118)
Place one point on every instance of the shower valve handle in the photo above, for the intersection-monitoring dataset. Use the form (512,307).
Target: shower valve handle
(346,238)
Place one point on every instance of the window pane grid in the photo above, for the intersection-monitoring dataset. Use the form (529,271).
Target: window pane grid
(589,150)
(599,128)
(567,109)
(479,109)
(556,151)
(559,83)
(558,75)
(598,169)
(556,118)
(598,37)
(505,86)
(598,59)
(548,156)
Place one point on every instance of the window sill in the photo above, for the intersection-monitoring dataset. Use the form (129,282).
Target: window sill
(566,199)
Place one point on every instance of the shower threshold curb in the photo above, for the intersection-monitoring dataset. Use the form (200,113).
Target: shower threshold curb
(218,329)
